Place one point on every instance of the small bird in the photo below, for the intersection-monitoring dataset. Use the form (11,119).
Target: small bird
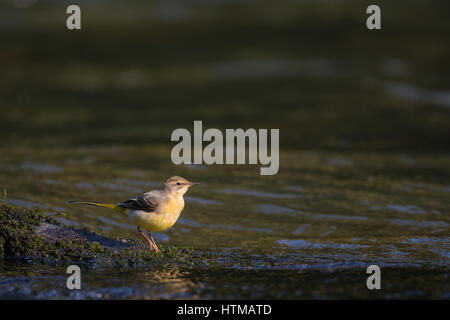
(156,210)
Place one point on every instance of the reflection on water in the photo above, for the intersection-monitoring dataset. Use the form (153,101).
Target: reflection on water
(244,69)
(40,167)
(334,216)
(272,208)
(406,209)
(203,201)
(25,203)
(308,244)
(409,92)
(258,193)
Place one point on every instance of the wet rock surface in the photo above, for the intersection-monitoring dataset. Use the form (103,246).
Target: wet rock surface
(53,233)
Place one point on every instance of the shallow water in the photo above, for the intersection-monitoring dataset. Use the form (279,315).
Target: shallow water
(261,233)
(364,164)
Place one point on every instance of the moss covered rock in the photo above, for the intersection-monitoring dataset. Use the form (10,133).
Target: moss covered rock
(28,235)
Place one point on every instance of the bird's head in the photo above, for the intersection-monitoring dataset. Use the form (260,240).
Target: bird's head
(178,185)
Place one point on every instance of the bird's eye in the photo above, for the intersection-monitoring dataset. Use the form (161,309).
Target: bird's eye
(178,183)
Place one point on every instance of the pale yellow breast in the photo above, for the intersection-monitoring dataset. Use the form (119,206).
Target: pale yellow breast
(173,205)
(163,218)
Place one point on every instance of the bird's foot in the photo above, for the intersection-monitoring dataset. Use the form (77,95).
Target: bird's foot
(152,246)
(151,242)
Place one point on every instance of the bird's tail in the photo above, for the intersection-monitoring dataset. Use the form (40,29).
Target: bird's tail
(111,206)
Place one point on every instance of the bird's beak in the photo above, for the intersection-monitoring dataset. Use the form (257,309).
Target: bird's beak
(193,183)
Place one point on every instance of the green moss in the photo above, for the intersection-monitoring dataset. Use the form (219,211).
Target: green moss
(19,241)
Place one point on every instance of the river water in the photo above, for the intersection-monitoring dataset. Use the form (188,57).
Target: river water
(364,123)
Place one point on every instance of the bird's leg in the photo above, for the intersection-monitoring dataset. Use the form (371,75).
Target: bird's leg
(151,243)
(154,243)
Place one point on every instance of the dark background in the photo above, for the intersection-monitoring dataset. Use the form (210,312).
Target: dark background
(140,69)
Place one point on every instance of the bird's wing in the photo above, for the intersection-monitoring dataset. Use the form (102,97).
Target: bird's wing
(146,202)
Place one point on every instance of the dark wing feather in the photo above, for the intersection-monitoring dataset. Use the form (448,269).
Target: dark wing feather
(146,202)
